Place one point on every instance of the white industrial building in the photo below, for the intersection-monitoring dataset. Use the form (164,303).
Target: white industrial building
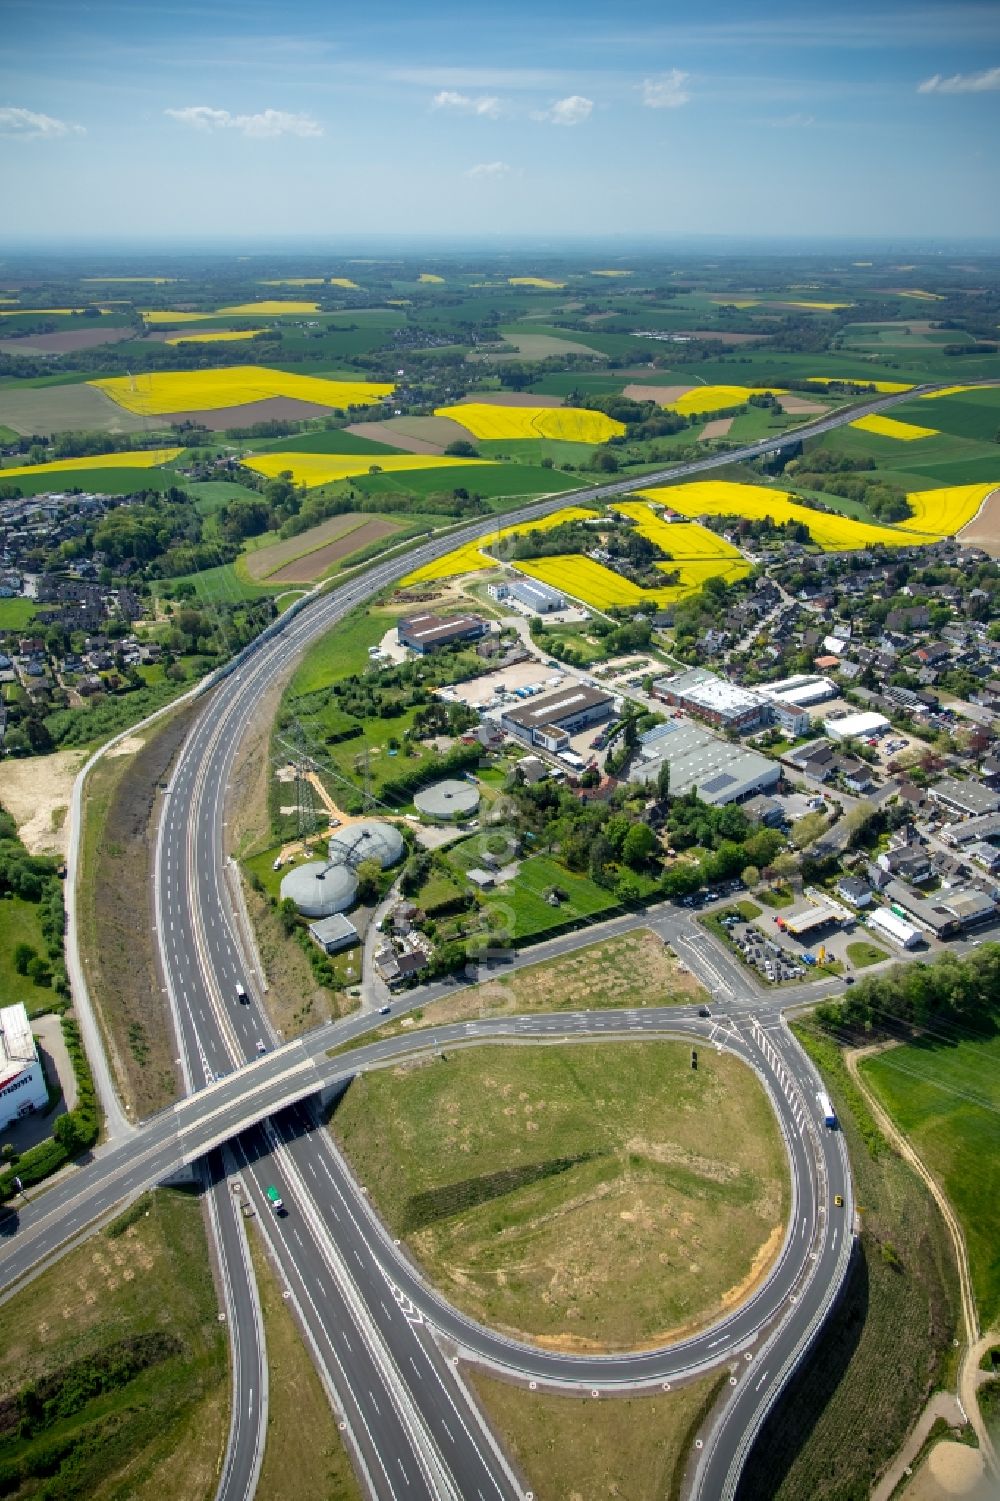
(720,771)
(896,929)
(802,689)
(22,1082)
(856,726)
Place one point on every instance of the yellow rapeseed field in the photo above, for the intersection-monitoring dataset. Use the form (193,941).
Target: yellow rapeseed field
(716,398)
(829,530)
(346,282)
(429,276)
(312,469)
(681,539)
(571,424)
(951,391)
(146,458)
(884,387)
(470,558)
(888,427)
(233,386)
(739,302)
(535,281)
(214,336)
(49,312)
(945,511)
(590,582)
(823,307)
(293,281)
(920,295)
(269,309)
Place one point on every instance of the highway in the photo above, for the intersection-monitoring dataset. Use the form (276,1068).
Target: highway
(367,1315)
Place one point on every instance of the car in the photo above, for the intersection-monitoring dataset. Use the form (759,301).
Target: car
(848,979)
(704,1011)
(384,1010)
(241,995)
(838,1199)
(261,1047)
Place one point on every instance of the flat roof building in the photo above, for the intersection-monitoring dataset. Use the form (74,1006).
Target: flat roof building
(896,929)
(719,771)
(802,689)
(971,798)
(974,830)
(856,726)
(807,919)
(540,598)
(22,1082)
(550,721)
(334,933)
(427,632)
(712,698)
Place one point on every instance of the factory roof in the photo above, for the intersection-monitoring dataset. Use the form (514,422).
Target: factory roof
(713,694)
(720,772)
(555,707)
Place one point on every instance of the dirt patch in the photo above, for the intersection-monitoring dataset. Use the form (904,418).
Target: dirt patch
(66,343)
(36,794)
(984,529)
(272,409)
(266,560)
(661,394)
(797,406)
(384,432)
(533,347)
(412,434)
(951,1469)
(510,399)
(718,427)
(315,564)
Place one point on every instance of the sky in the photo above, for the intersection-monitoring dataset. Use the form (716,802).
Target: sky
(188,120)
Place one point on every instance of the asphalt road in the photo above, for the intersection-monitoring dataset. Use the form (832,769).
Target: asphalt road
(408,1420)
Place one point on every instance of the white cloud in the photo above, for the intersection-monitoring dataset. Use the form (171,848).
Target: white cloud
(666,92)
(792,122)
(265,125)
(487,105)
(571,111)
(27,125)
(962,83)
(489,169)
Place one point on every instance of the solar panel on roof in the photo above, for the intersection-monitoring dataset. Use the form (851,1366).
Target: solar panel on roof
(716,784)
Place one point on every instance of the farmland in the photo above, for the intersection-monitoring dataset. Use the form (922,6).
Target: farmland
(593,584)
(944,512)
(311,469)
(469,558)
(139,458)
(305,557)
(571,424)
(889,427)
(717,398)
(214,336)
(236,385)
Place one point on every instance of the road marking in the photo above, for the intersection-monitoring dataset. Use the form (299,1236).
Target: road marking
(760,1383)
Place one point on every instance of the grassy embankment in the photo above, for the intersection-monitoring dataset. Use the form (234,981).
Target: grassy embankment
(592,1197)
(113,1366)
(888,1343)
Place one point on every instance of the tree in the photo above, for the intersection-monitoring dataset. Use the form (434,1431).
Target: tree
(23,955)
(627,888)
(784,867)
(750,876)
(663,782)
(289,915)
(368,873)
(638,845)
(806,830)
(461,448)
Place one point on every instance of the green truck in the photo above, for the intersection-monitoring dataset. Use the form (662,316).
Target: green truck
(275,1200)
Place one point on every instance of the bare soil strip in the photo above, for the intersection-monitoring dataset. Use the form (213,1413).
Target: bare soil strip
(662,394)
(36,794)
(271,409)
(314,565)
(984,528)
(265,560)
(800,406)
(718,427)
(384,432)
(510,399)
(67,342)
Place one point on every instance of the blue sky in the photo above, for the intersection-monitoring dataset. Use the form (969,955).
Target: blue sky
(174,119)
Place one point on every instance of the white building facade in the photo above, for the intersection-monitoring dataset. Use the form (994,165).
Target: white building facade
(22,1082)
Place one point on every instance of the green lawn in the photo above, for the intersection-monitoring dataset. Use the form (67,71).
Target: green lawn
(495,482)
(342,652)
(107,481)
(19,924)
(863,954)
(523,903)
(16,613)
(946,1100)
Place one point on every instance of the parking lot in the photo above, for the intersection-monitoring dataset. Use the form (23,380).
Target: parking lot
(492,688)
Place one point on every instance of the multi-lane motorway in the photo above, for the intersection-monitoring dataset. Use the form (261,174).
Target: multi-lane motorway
(383,1342)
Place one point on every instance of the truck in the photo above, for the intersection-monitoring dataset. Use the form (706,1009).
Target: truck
(275,1200)
(826,1109)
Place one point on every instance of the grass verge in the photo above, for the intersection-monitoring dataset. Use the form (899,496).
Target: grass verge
(634,1447)
(589,1197)
(887,1345)
(113,1366)
(304,1455)
(863,954)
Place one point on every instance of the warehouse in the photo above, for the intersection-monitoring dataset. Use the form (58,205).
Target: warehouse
(535,596)
(802,689)
(22,1082)
(550,721)
(971,798)
(856,726)
(899,932)
(719,771)
(712,698)
(427,632)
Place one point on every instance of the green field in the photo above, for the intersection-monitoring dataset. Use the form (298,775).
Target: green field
(103,481)
(15,614)
(19,923)
(523,902)
(117,1363)
(343,651)
(516,481)
(328,440)
(599,1196)
(969,414)
(946,1100)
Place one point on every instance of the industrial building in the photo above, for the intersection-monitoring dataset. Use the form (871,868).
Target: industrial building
(971,798)
(428,632)
(531,594)
(801,690)
(320,887)
(334,933)
(447,802)
(896,929)
(712,698)
(370,839)
(719,771)
(856,726)
(550,721)
(974,830)
(944,914)
(22,1082)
